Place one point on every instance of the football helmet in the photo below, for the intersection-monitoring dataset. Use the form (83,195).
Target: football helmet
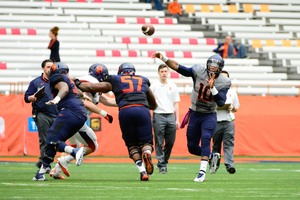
(59,68)
(99,71)
(214,65)
(127,68)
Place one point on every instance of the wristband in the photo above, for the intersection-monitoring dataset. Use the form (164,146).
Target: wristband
(103,113)
(214,90)
(56,99)
(165,59)
(77,82)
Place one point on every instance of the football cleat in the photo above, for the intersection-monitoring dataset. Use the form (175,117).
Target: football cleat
(147,159)
(163,170)
(144,176)
(63,166)
(56,174)
(39,177)
(215,159)
(230,169)
(200,176)
(79,155)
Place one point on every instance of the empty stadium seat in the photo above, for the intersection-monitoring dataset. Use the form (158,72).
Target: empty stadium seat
(108,31)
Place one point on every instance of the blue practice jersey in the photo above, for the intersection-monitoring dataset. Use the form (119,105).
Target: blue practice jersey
(130,89)
(39,105)
(72,100)
(202,99)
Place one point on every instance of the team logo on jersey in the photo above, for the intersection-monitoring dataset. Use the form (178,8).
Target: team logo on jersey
(99,69)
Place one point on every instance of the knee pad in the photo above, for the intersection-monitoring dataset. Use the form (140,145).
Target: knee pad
(147,146)
(54,145)
(134,150)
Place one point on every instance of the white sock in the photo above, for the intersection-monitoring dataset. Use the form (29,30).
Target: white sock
(42,170)
(68,149)
(69,158)
(203,165)
(140,165)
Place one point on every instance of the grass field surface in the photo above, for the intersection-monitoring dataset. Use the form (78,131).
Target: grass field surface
(255,180)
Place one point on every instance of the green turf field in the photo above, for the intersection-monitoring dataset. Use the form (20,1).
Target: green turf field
(269,180)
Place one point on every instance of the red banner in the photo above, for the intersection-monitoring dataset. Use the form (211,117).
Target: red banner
(265,126)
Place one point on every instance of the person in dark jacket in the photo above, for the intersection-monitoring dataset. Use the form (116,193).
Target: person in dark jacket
(42,114)
(228,49)
(54,44)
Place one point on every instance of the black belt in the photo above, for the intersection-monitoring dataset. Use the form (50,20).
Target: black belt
(164,113)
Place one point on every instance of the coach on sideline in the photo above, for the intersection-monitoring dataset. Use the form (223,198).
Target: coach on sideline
(42,114)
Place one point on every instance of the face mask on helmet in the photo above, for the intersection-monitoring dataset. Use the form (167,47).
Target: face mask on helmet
(59,68)
(126,68)
(99,71)
(214,65)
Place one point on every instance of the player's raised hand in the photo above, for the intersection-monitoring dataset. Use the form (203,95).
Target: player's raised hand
(160,56)
(211,80)
(157,55)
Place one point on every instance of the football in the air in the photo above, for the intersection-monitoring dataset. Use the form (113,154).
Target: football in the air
(148,29)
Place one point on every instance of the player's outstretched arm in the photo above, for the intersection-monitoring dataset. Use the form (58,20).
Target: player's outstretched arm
(171,63)
(95,109)
(108,101)
(93,87)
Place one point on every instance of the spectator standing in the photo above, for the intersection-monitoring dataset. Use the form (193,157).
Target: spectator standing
(134,99)
(228,49)
(157,4)
(54,44)
(225,130)
(209,91)
(175,9)
(42,114)
(165,117)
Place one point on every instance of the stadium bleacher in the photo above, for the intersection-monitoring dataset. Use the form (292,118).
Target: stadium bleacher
(108,31)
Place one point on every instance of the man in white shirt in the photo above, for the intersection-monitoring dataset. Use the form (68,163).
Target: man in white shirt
(165,117)
(225,131)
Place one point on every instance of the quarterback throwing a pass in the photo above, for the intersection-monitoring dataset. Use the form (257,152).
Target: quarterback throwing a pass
(209,91)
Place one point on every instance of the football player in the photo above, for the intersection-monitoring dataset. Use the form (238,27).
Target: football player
(86,136)
(71,117)
(209,91)
(134,99)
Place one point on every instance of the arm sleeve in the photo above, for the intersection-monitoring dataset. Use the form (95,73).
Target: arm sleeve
(220,98)
(30,91)
(56,79)
(216,50)
(185,71)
